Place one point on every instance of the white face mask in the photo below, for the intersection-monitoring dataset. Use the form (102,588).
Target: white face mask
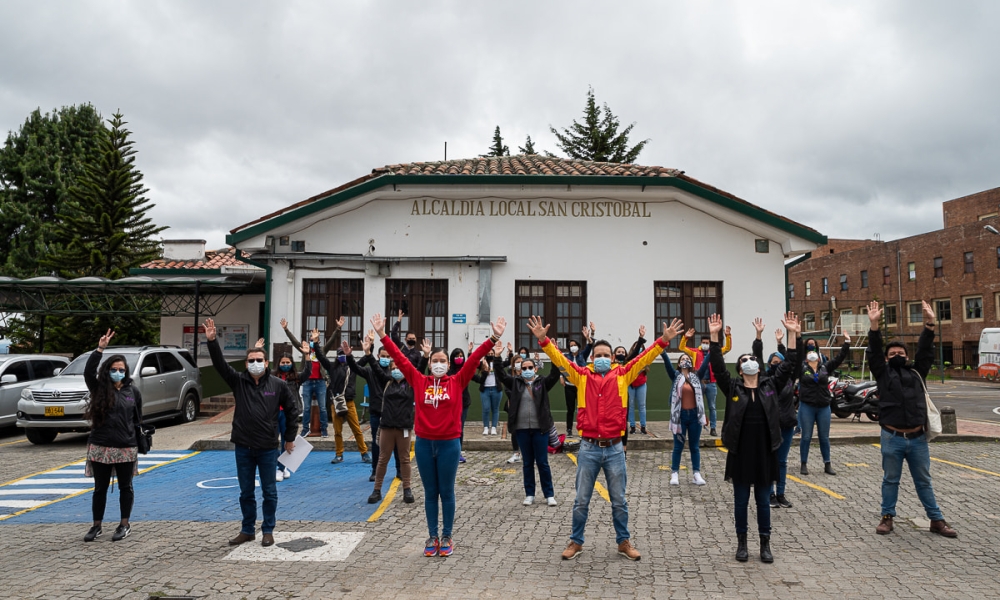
(704,347)
(812,357)
(574,349)
(256,368)
(438,369)
(750,367)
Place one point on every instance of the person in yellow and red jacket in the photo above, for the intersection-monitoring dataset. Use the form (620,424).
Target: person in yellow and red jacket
(698,355)
(602,394)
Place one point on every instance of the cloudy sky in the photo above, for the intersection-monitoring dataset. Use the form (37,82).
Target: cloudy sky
(854,118)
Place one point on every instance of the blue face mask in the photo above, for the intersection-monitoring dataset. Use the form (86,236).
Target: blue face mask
(396,374)
(602,364)
(285,367)
(528,374)
(117,376)
(383,362)
(523,355)
(342,358)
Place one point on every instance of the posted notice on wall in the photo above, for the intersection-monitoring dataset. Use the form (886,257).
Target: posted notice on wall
(234,339)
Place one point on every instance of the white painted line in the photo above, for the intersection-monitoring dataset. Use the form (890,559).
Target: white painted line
(301,546)
(47,480)
(62,472)
(41,491)
(21,503)
(997,410)
(170,456)
(152,462)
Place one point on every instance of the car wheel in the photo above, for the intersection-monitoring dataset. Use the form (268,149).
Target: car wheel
(189,412)
(40,436)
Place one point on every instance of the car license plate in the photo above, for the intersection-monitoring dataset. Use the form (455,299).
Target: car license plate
(55,411)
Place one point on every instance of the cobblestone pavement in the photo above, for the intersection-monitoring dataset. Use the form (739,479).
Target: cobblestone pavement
(824,546)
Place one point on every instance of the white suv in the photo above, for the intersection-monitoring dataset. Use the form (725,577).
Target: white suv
(18,371)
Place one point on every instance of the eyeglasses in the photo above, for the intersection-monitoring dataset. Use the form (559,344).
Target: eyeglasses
(113,370)
(743,360)
(255,360)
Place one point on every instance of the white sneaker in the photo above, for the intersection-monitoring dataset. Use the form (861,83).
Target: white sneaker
(675,478)
(515,458)
(486,430)
(698,479)
(279,476)
(551,501)
(529,500)
(493,430)
(288,474)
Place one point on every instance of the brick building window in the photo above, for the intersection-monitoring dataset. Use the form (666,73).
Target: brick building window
(791,290)
(998,257)
(864,279)
(826,286)
(938,266)
(824,318)
(970,265)
(911,269)
(942,308)
(889,314)
(808,288)
(887,274)
(973,308)
(915,313)
(843,283)
(809,321)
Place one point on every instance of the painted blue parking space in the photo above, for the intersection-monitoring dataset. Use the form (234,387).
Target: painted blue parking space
(203,487)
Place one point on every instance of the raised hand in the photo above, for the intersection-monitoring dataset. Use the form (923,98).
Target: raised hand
(471,347)
(510,348)
(499,326)
(105,339)
(305,348)
(540,331)
(425,347)
(498,348)
(593,329)
(366,345)
(586,332)
(847,337)
(210,329)
(689,333)
(345,348)
(874,314)
(779,334)
(929,316)
(758,325)
(340,323)
(729,331)
(791,323)
(714,325)
(315,335)
(284,323)
(378,324)
(259,344)
(400,314)
(669,331)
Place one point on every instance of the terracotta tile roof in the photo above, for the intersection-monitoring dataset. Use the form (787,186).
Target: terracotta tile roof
(214,259)
(531,164)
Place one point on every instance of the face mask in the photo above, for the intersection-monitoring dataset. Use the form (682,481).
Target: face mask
(750,367)
(684,363)
(396,374)
(256,368)
(342,358)
(812,357)
(897,362)
(411,343)
(383,362)
(285,367)
(439,369)
(116,376)
(774,366)
(459,360)
(602,364)
(528,374)
(620,358)
(574,349)
(523,355)
(704,347)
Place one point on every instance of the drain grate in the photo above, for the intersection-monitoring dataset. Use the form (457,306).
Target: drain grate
(302,544)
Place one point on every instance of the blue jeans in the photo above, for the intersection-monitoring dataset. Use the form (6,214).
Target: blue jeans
(692,431)
(249,461)
(637,397)
(437,462)
(490,398)
(917,455)
(741,498)
(711,392)
(534,445)
(808,415)
(311,387)
(591,459)
(281,431)
(786,445)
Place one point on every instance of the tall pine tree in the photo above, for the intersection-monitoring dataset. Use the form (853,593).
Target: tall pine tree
(528,147)
(598,138)
(498,148)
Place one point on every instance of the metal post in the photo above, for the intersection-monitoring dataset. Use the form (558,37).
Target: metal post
(41,336)
(197,307)
(940,347)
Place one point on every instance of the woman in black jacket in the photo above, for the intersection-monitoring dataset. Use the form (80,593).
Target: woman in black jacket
(814,402)
(365,368)
(114,410)
(531,420)
(395,430)
(751,432)
(787,407)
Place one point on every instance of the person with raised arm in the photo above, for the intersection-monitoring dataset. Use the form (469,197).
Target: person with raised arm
(579,356)
(903,417)
(602,418)
(787,403)
(751,431)
(698,355)
(259,398)
(687,413)
(438,428)
(814,403)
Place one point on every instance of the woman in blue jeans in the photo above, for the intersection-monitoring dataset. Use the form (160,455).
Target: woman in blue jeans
(687,414)
(814,403)
(490,394)
(787,418)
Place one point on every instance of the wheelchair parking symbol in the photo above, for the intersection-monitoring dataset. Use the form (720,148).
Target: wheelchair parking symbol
(236,483)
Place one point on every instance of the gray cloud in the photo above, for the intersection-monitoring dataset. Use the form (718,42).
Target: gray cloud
(852,118)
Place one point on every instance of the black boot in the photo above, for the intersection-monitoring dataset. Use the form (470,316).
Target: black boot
(804,470)
(741,547)
(765,549)
(375,497)
(828,469)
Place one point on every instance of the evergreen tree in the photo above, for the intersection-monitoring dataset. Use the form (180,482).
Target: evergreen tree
(38,166)
(598,137)
(528,148)
(498,148)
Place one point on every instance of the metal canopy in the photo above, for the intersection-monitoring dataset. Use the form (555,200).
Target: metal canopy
(169,297)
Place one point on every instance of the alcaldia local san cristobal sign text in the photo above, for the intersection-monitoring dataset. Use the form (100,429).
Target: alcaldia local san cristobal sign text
(529,208)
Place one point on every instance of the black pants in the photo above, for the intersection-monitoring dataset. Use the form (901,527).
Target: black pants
(102,479)
(570,392)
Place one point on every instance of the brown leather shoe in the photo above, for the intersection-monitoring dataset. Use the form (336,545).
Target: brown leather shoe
(627,550)
(267,540)
(571,551)
(885,525)
(241,538)
(942,527)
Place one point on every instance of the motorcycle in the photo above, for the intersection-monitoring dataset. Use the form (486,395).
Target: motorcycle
(855,399)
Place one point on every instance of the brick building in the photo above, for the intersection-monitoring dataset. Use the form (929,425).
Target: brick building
(957,268)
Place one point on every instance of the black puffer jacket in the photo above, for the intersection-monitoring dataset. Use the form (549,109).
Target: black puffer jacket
(118,428)
(539,390)
(814,386)
(397,404)
(338,371)
(901,391)
(365,368)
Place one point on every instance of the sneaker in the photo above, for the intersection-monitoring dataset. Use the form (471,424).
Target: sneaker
(305,432)
(288,473)
(447,547)
(885,525)
(675,478)
(121,532)
(642,429)
(551,501)
(371,478)
(375,497)
(279,475)
(774,501)
(93,533)
(431,547)
(529,500)
(486,430)
(713,433)
(516,457)
(408,496)
(325,434)
(627,550)
(698,479)
(572,551)
(783,502)
(366,457)
(493,430)
(631,430)
(461,459)
(337,459)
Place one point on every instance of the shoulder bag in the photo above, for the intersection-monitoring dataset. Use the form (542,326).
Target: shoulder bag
(143,433)
(933,423)
(340,400)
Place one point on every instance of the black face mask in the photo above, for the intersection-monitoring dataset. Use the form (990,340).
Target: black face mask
(411,342)
(620,357)
(897,362)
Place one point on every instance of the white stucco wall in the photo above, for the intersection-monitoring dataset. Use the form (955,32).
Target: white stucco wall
(244,310)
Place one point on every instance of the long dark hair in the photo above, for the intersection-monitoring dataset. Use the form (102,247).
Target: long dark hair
(292,375)
(102,400)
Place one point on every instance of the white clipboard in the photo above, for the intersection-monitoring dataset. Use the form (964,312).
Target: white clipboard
(292,461)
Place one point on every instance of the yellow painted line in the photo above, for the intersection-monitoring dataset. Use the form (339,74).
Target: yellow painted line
(807,484)
(387,500)
(955,464)
(14,442)
(81,492)
(601,490)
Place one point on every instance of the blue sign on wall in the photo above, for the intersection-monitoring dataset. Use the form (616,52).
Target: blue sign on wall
(458,318)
